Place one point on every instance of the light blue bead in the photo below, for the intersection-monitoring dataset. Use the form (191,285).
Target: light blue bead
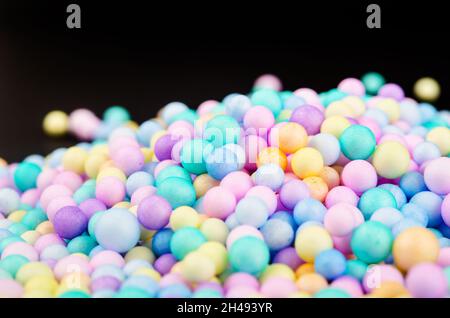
(172,109)
(396,191)
(309,210)
(330,264)
(108,270)
(286,217)
(231,221)
(328,146)
(175,291)
(411,183)
(55,252)
(9,201)
(293,101)
(414,211)
(269,175)
(146,131)
(431,203)
(427,111)
(252,211)
(267,98)
(137,180)
(404,224)
(425,151)
(221,162)
(95,251)
(277,234)
(55,158)
(236,105)
(36,159)
(410,113)
(378,115)
(388,216)
(142,282)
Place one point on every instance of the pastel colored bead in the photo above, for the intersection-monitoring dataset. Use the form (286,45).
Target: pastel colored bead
(357,142)
(177,191)
(310,241)
(25,175)
(69,222)
(110,190)
(440,137)
(391,159)
(374,199)
(309,117)
(372,242)
(219,202)
(214,230)
(427,89)
(186,240)
(427,280)
(238,183)
(249,255)
(437,176)
(293,192)
(154,212)
(341,219)
(352,172)
(184,216)
(330,264)
(272,155)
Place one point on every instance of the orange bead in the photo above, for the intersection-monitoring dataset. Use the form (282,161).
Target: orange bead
(292,137)
(311,283)
(272,155)
(330,176)
(389,290)
(317,187)
(304,269)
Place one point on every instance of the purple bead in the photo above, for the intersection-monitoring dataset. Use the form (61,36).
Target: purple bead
(70,222)
(289,257)
(154,212)
(105,283)
(427,280)
(164,263)
(163,147)
(292,192)
(309,117)
(392,90)
(90,206)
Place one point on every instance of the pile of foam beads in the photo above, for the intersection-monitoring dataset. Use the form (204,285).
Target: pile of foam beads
(276,193)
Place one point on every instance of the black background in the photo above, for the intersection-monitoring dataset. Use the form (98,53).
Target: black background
(144,56)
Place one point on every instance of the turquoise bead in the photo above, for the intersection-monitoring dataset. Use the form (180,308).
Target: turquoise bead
(374,199)
(372,242)
(356,269)
(222,130)
(81,244)
(357,142)
(18,228)
(172,171)
(74,294)
(13,263)
(130,292)
(186,240)
(267,98)
(116,115)
(25,175)
(250,255)
(373,81)
(332,293)
(177,192)
(193,155)
(33,218)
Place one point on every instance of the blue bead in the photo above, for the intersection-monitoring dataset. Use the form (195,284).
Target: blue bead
(277,234)
(413,211)
(143,282)
(161,242)
(387,216)
(175,291)
(309,210)
(221,162)
(404,224)
(236,105)
(411,183)
(330,264)
(146,131)
(284,216)
(397,192)
(137,180)
(269,175)
(252,211)
(431,203)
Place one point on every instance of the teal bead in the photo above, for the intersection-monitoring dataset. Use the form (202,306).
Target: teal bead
(447,275)
(93,221)
(218,109)
(374,199)
(332,293)
(207,293)
(193,155)
(356,269)
(332,96)
(8,240)
(172,171)
(86,191)
(222,130)
(13,263)
(373,81)
(130,292)
(81,244)
(5,275)
(116,115)
(267,98)
(284,95)
(25,175)
(74,294)
(435,122)
(177,192)
(372,242)
(33,218)
(249,254)
(18,228)
(188,115)
(25,207)
(186,240)
(357,142)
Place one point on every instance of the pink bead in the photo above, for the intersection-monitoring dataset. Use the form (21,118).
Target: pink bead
(142,193)
(427,280)
(342,160)
(341,194)
(206,107)
(176,150)
(252,145)
(342,244)
(110,190)
(372,125)
(278,287)
(241,279)
(163,164)
(107,258)
(219,202)
(444,257)
(352,172)
(309,96)
(181,130)
(45,178)
(258,120)
(238,183)
(21,248)
(274,133)
(46,240)
(437,175)
(412,141)
(83,123)
(69,179)
(352,86)
(10,288)
(121,142)
(31,197)
(268,81)
(171,279)
(241,231)
(57,204)
(349,284)
(393,137)
(240,292)
(378,274)
(341,219)
(403,125)
(52,192)
(266,194)
(129,159)
(72,264)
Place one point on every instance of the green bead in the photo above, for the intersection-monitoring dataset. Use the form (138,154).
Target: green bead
(357,142)
(332,293)
(268,98)
(372,81)
(33,218)
(172,171)
(177,192)
(193,155)
(18,228)
(372,242)
(81,244)
(249,254)
(222,130)
(356,269)
(11,239)
(116,115)
(25,175)
(186,240)
(374,199)
(13,263)
(130,292)
(74,294)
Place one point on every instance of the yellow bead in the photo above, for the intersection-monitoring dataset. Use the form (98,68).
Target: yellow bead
(132,124)
(203,183)
(100,149)
(217,253)
(30,236)
(111,172)
(215,230)
(304,269)
(17,216)
(440,136)
(146,235)
(339,108)
(149,272)
(356,104)
(45,227)
(391,159)
(38,294)
(389,290)
(312,240)
(307,162)
(148,154)
(390,107)
(277,270)
(427,89)
(300,295)
(197,267)
(41,283)
(74,159)
(140,252)
(75,280)
(56,123)
(334,125)
(413,246)
(133,209)
(93,163)
(184,216)
(32,269)
(272,155)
